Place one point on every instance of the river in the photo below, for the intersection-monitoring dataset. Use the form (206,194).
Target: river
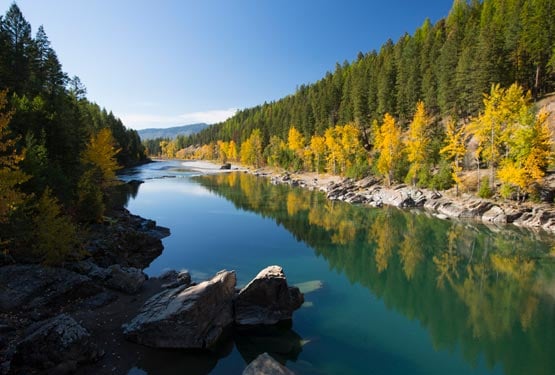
(396,292)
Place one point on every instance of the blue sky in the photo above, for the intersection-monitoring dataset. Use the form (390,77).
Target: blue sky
(172,62)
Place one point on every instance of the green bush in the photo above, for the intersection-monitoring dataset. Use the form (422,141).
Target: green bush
(485,190)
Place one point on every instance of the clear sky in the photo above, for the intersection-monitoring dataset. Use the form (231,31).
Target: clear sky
(172,62)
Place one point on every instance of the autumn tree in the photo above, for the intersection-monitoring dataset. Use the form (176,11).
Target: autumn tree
(417,142)
(100,166)
(251,149)
(529,156)
(389,146)
(318,150)
(455,149)
(232,150)
(494,129)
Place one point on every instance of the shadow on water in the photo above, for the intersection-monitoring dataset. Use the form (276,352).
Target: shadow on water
(488,292)
(280,341)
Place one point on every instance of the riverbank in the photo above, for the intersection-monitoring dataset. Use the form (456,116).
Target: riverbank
(58,319)
(444,205)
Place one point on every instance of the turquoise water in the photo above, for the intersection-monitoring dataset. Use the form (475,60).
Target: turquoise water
(403,293)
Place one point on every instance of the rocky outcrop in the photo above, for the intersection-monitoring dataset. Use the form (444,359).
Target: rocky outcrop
(264,364)
(124,279)
(267,299)
(126,239)
(58,344)
(34,287)
(186,317)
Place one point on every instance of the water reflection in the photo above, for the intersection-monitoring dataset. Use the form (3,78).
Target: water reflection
(487,292)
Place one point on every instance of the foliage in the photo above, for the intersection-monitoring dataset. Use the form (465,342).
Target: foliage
(485,190)
(11,177)
(55,235)
(455,149)
(388,144)
(417,142)
(447,65)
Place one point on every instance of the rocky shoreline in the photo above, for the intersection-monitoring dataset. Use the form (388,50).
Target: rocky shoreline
(104,315)
(443,205)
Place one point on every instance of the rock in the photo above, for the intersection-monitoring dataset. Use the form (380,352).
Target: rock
(310,286)
(173,279)
(186,317)
(26,287)
(267,299)
(494,215)
(264,364)
(226,166)
(58,342)
(125,279)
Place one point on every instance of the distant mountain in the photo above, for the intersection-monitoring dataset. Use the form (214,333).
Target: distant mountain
(172,132)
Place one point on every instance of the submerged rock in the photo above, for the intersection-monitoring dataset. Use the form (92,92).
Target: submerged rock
(267,299)
(264,364)
(59,343)
(310,286)
(186,317)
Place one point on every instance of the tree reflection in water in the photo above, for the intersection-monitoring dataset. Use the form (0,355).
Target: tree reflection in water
(486,290)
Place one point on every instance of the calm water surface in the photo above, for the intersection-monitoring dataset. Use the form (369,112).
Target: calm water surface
(403,293)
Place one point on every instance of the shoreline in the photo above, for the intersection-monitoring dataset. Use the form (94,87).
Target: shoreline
(441,204)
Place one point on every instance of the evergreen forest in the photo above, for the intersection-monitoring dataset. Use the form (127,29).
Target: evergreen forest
(58,151)
(453,96)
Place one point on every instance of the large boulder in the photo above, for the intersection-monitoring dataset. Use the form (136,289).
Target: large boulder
(59,343)
(186,317)
(264,364)
(267,299)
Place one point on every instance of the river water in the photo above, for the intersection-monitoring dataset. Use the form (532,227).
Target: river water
(389,291)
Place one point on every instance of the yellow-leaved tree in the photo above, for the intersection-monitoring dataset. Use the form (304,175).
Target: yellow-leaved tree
(251,149)
(417,142)
(494,129)
(318,151)
(455,149)
(531,151)
(389,146)
(232,151)
(100,166)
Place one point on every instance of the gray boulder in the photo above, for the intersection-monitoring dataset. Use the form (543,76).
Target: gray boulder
(59,343)
(126,279)
(264,364)
(186,317)
(267,299)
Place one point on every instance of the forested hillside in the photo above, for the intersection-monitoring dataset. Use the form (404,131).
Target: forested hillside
(448,65)
(58,151)
(454,95)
